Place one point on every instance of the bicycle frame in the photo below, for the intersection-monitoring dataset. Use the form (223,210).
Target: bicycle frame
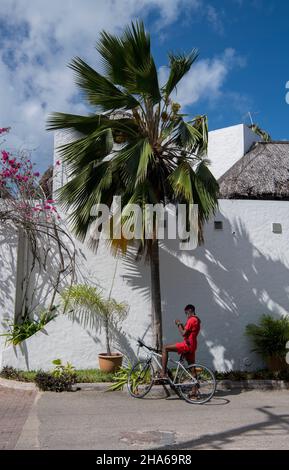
(153,356)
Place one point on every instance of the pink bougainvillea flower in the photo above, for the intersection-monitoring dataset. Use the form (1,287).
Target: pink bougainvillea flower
(50,201)
(3,130)
(5,156)
(58,162)
(36,174)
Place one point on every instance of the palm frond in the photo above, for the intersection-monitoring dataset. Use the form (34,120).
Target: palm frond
(113,57)
(181,182)
(73,122)
(142,78)
(180,64)
(86,150)
(99,90)
(132,161)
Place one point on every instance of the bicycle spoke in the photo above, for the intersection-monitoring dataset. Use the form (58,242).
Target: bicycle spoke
(196,384)
(140,379)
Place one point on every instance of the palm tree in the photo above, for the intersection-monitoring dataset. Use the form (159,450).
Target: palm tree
(136,144)
(86,304)
(260,132)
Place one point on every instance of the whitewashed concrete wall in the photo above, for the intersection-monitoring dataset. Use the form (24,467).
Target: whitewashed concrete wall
(239,273)
(8,267)
(226,146)
(61,339)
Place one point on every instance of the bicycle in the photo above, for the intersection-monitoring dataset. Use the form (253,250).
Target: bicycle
(195,383)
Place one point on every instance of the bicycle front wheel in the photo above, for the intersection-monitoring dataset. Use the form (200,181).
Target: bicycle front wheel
(196,384)
(140,379)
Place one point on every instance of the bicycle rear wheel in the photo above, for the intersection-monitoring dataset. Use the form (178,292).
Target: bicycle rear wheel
(196,384)
(140,379)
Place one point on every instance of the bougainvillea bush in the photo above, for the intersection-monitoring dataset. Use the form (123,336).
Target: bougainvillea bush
(24,208)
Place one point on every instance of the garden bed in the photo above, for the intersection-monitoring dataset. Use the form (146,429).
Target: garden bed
(82,376)
(96,380)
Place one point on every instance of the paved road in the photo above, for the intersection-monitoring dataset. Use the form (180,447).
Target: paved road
(14,410)
(97,420)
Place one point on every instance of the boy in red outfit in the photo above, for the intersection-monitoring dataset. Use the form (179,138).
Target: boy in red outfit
(187,347)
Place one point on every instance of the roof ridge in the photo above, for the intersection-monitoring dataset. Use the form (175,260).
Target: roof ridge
(273,142)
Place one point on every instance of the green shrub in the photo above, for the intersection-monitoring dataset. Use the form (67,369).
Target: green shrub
(263,374)
(18,332)
(48,382)
(60,379)
(61,369)
(121,376)
(10,373)
(270,336)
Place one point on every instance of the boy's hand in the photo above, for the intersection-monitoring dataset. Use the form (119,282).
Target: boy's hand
(177,321)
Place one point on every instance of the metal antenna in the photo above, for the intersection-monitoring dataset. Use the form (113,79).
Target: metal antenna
(250,116)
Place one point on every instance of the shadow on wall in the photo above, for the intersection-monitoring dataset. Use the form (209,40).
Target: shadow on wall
(230,282)
(8,268)
(41,278)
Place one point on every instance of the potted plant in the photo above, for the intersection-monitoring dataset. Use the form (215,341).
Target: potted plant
(270,338)
(89,305)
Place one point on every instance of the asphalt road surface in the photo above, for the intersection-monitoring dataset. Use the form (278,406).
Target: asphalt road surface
(112,420)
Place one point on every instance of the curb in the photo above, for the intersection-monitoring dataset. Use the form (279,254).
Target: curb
(253,385)
(221,385)
(158,390)
(17,385)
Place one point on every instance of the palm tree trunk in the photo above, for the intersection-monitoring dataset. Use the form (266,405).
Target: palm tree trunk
(156,295)
(107,339)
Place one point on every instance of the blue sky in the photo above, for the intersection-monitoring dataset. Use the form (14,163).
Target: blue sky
(243,64)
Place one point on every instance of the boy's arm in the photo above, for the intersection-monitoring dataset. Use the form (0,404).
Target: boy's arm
(181,328)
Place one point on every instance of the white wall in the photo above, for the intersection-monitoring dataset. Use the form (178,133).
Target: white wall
(239,273)
(226,146)
(8,264)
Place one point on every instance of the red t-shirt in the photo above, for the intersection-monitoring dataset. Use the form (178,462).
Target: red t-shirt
(192,327)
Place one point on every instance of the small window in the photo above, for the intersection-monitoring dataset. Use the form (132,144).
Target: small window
(276,228)
(218,225)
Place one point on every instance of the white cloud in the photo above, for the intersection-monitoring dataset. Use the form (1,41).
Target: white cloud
(214,16)
(205,79)
(38,39)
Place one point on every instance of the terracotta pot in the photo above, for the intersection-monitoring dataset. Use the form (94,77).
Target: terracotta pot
(110,363)
(276,363)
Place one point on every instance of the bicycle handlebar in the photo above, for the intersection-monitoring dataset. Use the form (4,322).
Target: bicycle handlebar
(142,344)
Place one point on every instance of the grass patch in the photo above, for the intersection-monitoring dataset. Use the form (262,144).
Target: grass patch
(93,376)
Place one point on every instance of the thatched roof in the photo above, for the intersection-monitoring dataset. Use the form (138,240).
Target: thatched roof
(263,173)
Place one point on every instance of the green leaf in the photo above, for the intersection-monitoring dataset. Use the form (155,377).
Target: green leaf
(99,90)
(180,64)
(181,182)
(57,362)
